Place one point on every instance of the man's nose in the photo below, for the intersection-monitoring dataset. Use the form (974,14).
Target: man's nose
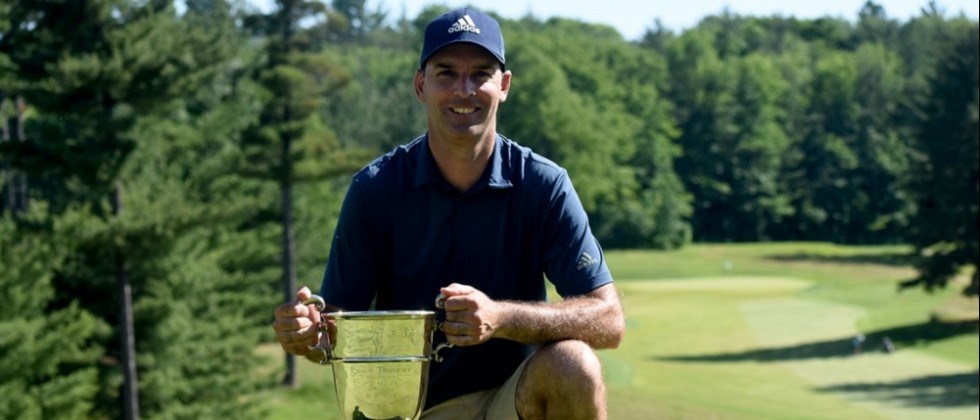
(465,87)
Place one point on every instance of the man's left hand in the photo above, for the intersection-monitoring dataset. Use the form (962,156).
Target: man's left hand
(471,316)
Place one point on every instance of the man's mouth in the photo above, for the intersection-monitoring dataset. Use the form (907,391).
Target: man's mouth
(463,111)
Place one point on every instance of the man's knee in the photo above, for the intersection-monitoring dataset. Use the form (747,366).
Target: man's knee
(569,358)
(564,366)
(565,375)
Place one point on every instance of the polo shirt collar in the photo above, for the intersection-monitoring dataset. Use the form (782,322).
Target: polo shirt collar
(499,176)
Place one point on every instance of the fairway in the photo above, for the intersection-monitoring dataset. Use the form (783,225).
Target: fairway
(763,331)
(750,347)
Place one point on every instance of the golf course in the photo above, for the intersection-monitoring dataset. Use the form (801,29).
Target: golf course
(764,331)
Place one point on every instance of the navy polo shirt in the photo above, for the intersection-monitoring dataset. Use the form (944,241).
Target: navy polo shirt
(404,232)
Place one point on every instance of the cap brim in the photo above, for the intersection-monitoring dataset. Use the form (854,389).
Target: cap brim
(462,41)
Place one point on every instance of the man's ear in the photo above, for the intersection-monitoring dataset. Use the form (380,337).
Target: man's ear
(505,85)
(420,85)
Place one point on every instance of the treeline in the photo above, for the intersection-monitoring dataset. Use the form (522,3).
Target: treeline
(169,173)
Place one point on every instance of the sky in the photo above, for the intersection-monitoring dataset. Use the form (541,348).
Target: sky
(632,17)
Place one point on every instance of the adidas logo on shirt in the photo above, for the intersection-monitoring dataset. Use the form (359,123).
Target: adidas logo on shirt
(464,23)
(585,260)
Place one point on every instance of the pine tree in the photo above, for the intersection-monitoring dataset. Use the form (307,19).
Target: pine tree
(947,184)
(48,354)
(106,79)
(289,143)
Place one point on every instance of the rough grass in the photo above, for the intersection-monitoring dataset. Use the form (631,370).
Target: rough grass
(763,331)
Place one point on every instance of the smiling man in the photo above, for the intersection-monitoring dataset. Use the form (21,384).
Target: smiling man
(468,213)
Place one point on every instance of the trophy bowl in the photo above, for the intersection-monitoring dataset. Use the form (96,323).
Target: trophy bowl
(380,361)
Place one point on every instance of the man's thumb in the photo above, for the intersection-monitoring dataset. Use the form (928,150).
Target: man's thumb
(303,294)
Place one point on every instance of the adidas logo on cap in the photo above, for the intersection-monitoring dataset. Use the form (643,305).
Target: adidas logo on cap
(464,23)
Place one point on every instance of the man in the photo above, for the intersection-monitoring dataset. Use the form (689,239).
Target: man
(468,213)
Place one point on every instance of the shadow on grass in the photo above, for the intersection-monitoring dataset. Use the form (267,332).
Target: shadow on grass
(898,259)
(904,336)
(958,389)
(947,390)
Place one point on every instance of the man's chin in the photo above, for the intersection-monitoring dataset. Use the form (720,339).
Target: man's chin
(471,132)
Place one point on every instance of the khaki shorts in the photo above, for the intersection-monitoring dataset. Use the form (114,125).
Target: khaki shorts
(498,403)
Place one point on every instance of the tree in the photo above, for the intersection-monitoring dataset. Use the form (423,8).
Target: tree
(703,95)
(824,201)
(289,143)
(89,61)
(377,110)
(359,21)
(656,214)
(873,25)
(48,355)
(947,185)
(13,184)
(657,37)
(586,99)
(882,147)
(103,77)
(754,160)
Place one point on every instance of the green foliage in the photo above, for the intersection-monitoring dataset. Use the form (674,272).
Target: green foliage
(186,372)
(120,110)
(48,356)
(946,185)
(360,22)
(289,143)
(377,110)
(218,127)
(590,102)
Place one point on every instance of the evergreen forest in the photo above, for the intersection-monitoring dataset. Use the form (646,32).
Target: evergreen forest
(171,171)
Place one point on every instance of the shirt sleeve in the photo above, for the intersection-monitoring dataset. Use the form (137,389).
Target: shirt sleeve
(350,280)
(574,262)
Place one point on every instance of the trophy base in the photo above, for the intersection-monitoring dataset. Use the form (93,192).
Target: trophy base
(381,388)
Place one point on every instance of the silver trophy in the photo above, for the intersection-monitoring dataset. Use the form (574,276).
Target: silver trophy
(380,360)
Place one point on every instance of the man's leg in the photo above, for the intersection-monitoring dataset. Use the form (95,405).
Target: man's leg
(562,380)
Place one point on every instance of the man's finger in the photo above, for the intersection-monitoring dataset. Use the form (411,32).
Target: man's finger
(291,324)
(456,289)
(459,304)
(461,340)
(299,349)
(295,342)
(292,310)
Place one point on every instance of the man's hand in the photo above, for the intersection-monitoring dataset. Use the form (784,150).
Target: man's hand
(595,318)
(471,316)
(297,325)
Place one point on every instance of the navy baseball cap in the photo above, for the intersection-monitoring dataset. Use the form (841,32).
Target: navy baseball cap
(463,25)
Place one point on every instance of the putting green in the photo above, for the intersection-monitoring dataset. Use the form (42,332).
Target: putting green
(750,347)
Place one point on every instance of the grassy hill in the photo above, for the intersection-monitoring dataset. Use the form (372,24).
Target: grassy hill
(765,331)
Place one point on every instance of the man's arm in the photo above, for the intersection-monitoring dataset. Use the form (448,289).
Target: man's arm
(595,318)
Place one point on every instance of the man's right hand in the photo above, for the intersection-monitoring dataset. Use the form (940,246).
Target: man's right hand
(297,325)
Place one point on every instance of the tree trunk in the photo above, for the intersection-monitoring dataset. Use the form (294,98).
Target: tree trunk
(131,407)
(20,178)
(288,243)
(12,182)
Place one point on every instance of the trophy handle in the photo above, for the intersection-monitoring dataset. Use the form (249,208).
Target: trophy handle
(325,353)
(440,304)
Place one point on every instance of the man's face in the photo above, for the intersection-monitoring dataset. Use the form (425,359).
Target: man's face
(461,86)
